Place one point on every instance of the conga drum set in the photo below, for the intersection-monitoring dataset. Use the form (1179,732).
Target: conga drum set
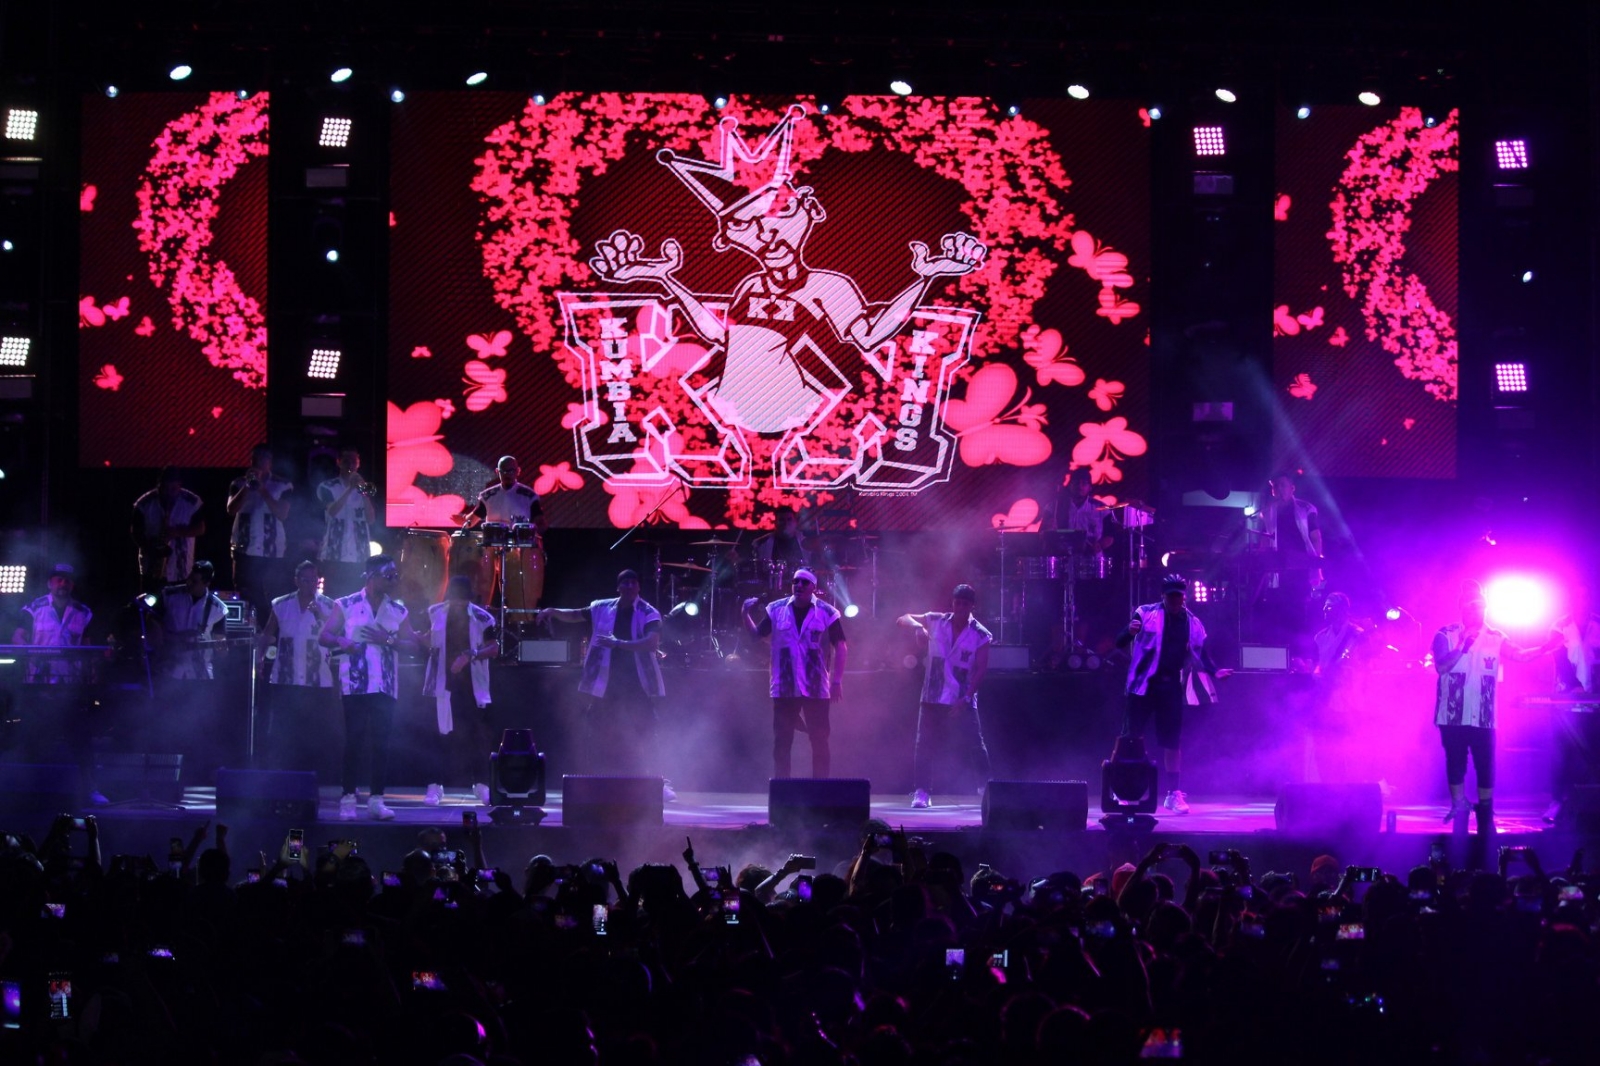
(505,564)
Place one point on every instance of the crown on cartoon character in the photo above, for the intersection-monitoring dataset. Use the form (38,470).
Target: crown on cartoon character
(715,184)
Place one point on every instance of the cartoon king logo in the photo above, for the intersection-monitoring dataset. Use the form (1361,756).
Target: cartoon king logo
(794,363)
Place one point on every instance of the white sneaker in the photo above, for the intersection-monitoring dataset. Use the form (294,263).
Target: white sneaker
(1176,802)
(434,796)
(347,807)
(920,800)
(668,793)
(481,791)
(378,809)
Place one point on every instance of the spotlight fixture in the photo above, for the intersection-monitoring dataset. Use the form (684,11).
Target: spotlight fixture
(243,94)
(7,246)
(516,779)
(340,76)
(112,91)
(397,96)
(21,124)
(13,580)
(1128,787)
(1509,154)
(1368,97)
(1198,592)
(719,102)
(1430,121)
(1527,276)
(14,350)
(477,77)
(537,99)
(851,610)
(1227,96)
(824,107)
(331,255)
(1511,377)
(324,363)
(1302,112)
(1392,614)
(1209,141)
(900,87)
(1014,110)
(179,72)
(1154,111)
(335,132)
(1078,92)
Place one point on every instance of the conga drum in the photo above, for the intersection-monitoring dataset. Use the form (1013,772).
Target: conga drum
(470,556)
(524,569)
(424,566)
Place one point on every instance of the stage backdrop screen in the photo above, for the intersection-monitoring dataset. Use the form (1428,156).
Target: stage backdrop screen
(916,312)
(172,339)
(1364,326)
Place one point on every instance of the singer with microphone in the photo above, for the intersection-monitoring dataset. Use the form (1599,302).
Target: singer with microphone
(258,502)
(348,510)
(300,699)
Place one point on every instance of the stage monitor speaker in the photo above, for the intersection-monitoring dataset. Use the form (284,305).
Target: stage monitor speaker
(39,788)
(133,776)
(286,796)
(1055,805)
(1324,810)
(589,802)
(1008,657)
(838,803)
(544,651)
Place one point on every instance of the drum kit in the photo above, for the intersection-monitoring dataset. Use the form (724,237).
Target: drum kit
(505,564)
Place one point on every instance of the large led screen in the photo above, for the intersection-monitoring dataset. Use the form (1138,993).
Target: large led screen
(1365,319)
(921,312)
(172,339)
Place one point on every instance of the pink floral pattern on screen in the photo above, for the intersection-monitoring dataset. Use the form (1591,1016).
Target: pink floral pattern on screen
(1389,168)
(193,158)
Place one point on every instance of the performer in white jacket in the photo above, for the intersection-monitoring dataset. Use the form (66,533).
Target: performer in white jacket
(462,639)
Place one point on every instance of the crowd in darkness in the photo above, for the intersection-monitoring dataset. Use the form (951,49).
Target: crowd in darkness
(897,956)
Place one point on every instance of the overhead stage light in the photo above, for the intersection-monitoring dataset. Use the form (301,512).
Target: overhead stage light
(324,363)
(1078,92)
(1518,601)
(14,350)
(341,75)
(1209,140)
(1154,111)
(13,580)
(335,132)
(900,87)
(21,124)
(1368,97)
(112,91)
(397,96)
(1227,96)
(1511,377)
(331,255)
(1511,154)
(179,72)
(477,77)
(1302,111)
(537,99)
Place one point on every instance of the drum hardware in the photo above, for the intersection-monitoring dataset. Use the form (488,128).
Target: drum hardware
(686,566)
(713,543)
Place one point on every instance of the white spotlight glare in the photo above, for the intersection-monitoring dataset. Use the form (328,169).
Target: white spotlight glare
(341,75)
(243,94)
(825,107)
(1518,601)
(335,132)
(851,610)
(692,609)
(324,363)
(900,87)
(537,99)
(13,579)
(477,77)
(179,72)
(21,124)
(1370,98)
(331,255)
(374,548)
(1227,96)
(1527,276)
(1078,92)
(1154,113)
(1014,110)
(719,102)
(112,91)
(397,96)
(14,350)
(1302,112)
(1511,377)
(7,246)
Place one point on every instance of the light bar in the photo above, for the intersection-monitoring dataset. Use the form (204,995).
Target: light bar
(1209,140)
(1511,377)
(21,124)
(14,350)
(324,363)
(335,132)
(13,580)
(1508,155)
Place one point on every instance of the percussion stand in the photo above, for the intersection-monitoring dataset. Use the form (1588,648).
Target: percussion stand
(1070,599)
(711,606)
(1005,602)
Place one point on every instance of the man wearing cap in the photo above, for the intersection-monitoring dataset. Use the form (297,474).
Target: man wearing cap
(1168,667)
(189,614)
(958,658)
(60,714)
(621,675)
(806,634)
(366,631)
(54,620)
(299,699)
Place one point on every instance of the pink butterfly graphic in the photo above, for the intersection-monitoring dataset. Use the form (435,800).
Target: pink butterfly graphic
(582,413)
(1043,350)
(1409,422)
(1114,307)
(216,412)
(1301,388)
(422,351)
(1023,516)
(145,328)
(1280,208)
(1099,261)
(1311,319)
(1102,444)
(1283,323)
(86,198)
(485,386)
(118,310)
(553,478)
(1339,338)
(1144,117)
(108,378)
(392,222)
(487,346)
(447,407)
(413,444)
(1105,394)
(89,313)
(989,431)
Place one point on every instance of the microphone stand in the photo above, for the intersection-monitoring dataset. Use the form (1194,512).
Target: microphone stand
(630,531)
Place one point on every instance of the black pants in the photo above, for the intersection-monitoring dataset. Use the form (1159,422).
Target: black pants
(793,712)
(947,736)
(368,721)
(1163,700)
(258,579)
(464,751)
(1574,743)
(1459,740)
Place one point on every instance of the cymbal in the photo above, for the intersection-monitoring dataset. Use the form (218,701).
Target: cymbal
(688,566)
(712,543)
(1140,504)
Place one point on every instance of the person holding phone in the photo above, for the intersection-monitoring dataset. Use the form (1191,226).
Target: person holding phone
(1469,656)
(957,659)
(462,640)
(621,676)
(807,635)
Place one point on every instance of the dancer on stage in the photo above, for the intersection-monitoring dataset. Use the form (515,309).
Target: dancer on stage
(1169,667)
(462,640)
(1469,656)
(806,634)
(958,658)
